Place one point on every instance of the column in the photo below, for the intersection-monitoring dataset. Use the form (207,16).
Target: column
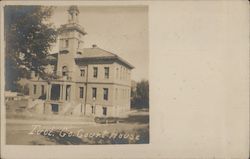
(60,98)
(62,94)
(48,92)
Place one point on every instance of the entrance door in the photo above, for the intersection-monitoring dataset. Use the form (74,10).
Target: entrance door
(55,108)
(55,92)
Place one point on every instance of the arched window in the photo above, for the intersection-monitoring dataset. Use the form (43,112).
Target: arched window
(64,71)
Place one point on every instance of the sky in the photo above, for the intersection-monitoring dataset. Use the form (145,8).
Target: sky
(122,30)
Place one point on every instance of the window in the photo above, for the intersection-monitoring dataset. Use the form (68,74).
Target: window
(64,71)
(104,110)
(95,69)
(106,72)
(81,92)
(66,43)
(54,108)
(124,73)
(34,89)
(93,92)
(82,73)
(105,93)
(42,89)
(92,109)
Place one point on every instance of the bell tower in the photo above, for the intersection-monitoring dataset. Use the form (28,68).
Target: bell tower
(73,14)
(71,43)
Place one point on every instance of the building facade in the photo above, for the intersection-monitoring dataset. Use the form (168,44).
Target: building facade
(90,81)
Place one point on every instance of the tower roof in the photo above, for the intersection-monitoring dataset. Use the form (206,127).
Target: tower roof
(72,21)
(73,9)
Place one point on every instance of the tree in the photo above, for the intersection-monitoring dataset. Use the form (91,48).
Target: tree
(140,98)
(28,38)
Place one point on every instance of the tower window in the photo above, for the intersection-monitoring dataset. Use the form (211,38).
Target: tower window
(82,73)
(106,72)
(64,71)
(66,43)
(34,89)
(79,43)
(95,69)
(92,109)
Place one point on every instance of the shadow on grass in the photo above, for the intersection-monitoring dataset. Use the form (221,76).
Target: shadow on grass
(140,119)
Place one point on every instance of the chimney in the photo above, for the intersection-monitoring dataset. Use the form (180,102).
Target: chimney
(94,46)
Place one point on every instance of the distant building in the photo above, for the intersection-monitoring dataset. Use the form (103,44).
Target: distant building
(91,81)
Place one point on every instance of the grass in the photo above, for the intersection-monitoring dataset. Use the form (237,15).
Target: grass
(132,130)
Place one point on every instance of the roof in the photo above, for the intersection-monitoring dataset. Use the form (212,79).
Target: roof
(95,53)
(98,53)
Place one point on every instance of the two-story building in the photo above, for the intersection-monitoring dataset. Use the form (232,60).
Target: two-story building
(91,81)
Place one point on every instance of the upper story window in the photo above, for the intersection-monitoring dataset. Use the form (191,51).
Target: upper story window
(121,73)
(82,72)
(66,43)
(81,92)
(79,43)
(95,72)
(94,92)
(105,93)
(106,72)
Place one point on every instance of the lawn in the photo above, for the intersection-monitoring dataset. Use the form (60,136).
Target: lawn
(23,129)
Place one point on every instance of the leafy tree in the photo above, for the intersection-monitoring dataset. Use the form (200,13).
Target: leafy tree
(140,98)
(28,38)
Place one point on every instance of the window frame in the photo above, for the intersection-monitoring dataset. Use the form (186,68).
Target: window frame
(66,43)
(106,72)
(94,93)
(95,72)
(105,94)
(104,111)
(81,92)
(82,72)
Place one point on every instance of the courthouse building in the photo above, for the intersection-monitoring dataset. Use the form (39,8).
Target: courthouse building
(91,81)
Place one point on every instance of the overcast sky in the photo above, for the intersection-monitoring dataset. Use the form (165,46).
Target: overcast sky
(122,30)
